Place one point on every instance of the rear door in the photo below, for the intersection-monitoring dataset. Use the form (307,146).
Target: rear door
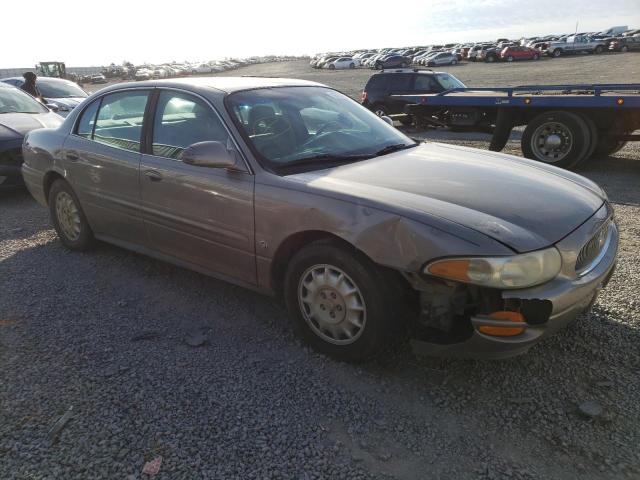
(399,84)
(200,215)
(102,157)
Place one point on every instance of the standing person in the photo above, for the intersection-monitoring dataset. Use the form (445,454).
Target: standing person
(30,86)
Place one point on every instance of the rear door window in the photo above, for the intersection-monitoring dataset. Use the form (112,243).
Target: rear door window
(400,82)
(119,120)
(378,83)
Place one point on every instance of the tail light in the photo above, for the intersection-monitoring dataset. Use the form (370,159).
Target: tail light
(364,96)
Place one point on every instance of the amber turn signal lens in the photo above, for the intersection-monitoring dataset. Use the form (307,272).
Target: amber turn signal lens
(620,101)
(503,331)
(454,269)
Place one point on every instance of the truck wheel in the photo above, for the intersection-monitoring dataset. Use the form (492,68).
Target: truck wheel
(557,52)
(593,136)
(557,138)
(341,303)
(67,217)
(598,49)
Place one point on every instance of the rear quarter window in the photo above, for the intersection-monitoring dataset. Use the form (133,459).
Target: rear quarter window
(378,83)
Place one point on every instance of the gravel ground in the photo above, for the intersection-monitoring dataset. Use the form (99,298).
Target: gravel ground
(111,335)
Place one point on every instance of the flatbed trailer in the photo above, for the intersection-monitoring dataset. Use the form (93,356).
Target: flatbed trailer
(564,124)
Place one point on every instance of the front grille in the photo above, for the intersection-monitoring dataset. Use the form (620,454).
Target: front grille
(592,249)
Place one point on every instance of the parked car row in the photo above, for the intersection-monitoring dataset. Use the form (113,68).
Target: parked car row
(614,39)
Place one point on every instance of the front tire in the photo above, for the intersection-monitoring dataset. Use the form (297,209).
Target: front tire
(557,52)
(598,49)
(510,58)
(332,67)
(68,218)
(341,303)
(624,49)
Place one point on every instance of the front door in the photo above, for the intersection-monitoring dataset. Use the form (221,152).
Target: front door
(103,159)
(200,215)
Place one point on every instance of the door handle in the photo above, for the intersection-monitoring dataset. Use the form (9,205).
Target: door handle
(72,157)
(153,175)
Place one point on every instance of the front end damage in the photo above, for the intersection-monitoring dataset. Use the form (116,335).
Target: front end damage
(468,321)
(463,320)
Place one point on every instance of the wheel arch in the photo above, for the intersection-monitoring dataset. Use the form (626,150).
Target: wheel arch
(50,177)
(295,242)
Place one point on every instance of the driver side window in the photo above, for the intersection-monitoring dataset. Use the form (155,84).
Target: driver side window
(182,120)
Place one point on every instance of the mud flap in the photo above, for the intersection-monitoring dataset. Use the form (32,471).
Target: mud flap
(502,130)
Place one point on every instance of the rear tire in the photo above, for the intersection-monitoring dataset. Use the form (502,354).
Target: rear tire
(536,57)
(624,49)
(510,58)
(68,218)
(598,49)
(454,62)
(558,138)
(332,67)
(352,65)
(556,53)
(491,59)
(341,303)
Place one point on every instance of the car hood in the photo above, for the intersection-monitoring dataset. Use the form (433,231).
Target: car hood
(70,102)
(17,125)
(523,204)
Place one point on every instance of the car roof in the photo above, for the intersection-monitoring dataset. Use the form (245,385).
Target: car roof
(224,84)
(407,70)
(41,79)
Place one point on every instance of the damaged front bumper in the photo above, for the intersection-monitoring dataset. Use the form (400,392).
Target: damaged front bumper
(565,297)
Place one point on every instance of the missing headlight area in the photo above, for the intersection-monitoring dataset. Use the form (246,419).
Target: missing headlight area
(449,312)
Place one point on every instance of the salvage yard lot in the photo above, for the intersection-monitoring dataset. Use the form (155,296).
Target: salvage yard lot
(159,361)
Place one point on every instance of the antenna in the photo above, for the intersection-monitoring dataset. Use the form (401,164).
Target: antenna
(576,32)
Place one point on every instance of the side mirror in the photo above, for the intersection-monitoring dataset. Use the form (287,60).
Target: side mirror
(52,106)
(387,119)
(210,154)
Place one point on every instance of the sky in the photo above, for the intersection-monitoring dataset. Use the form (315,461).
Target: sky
(95,32)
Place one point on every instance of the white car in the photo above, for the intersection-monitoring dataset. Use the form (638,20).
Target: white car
(201,68)
(341,63)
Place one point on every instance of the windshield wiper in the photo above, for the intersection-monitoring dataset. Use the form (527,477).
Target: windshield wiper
(394,148)
(326,159)
(20,112)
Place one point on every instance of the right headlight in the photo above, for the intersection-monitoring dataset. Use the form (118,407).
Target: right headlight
(517,271)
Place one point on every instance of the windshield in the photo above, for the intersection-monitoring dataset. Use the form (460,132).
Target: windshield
(314,126)
(448,81)
(51,89)
(13,100)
